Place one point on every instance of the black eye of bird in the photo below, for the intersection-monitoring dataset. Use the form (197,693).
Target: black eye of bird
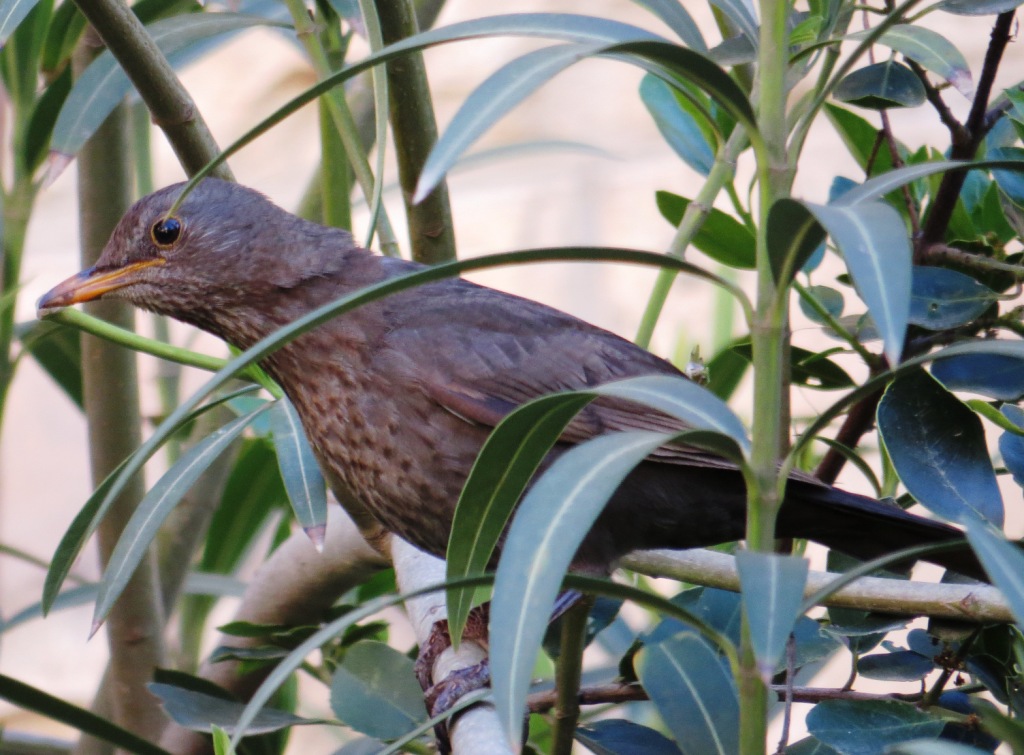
(166,231)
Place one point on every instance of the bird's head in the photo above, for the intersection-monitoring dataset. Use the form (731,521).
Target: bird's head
(226,246)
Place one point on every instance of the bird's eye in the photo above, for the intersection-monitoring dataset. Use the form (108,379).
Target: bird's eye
(166,231)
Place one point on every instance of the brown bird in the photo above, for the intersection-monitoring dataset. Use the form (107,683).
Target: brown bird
(398,396)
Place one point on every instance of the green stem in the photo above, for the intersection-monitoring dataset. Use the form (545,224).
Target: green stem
(16,211)
(568,675)
(697,211)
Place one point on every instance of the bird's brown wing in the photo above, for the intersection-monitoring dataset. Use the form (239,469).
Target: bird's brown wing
(501,351)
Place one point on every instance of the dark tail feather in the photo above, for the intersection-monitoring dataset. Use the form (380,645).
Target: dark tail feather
(866,528)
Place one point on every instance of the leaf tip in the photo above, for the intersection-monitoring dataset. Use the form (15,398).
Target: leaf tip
(56,163)
(316,536)
(96,624)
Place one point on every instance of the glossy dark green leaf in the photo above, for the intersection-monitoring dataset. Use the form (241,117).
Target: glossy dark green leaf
(198,711)
(156,506)
(1010,181)
(618,737)
(942,299)
(937,446)
(772,590)
(881,86)
(930,50)
(808,368)
(857,727)
(794,234)
(299,470)
(829,298)
(693,690)
(979,7)
(1003,562)
(374,691)
(58,351)
(559,508)
(875,244)
(860,138)
(505,465)
(721,237)
(898,666)
(677,124)
(1011,445)
(675,16)
(810,746)
(104,84)
(725,372)
(997,376)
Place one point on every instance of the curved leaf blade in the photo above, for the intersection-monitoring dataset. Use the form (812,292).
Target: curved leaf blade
(678,127)
(675,16)
(1003,562)
(502,470)
(104,84)
(694,692)
(876,247)
(154,508)
(551,522)
(941,299)
(937,446)
(860,727)
(299,471)
(772,592)
(930,50)
(793,236)
(12,13)
(374,691)
(197,711)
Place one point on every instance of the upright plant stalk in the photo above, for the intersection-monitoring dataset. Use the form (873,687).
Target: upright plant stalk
(414,129)
(767,336)
(110,389)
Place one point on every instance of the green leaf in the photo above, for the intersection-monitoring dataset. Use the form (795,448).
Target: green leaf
(559,509)
(1011,443)
(876,247)
(860,138)
(12,13)
(794,234)
(58,351)
(156,506)
(221,742)
(375,691)
(898,666)
(881,185)
(743,15)
(772,590)
(675,16)
(930,50)
(1003,562)
(618,737)
(866,727)
(104,84)
(942,299)
(721,237)
(299,471)
(33,699)
(978,7)
(198,711)
(678,124)
(830,299)
(999,418)
(881,86)
(937,446)
(503,468)
(42,119)
(691,687)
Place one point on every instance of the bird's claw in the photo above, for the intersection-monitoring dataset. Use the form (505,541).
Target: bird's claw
(443,695)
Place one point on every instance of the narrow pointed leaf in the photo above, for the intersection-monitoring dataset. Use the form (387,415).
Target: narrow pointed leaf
(299,470)
(31,698)
(678,127)
(930,50)
(937,446)
(773,591)
(678,20)
(794,234)
(997,376)
(551,522)
(978,7)
(104,84)
(1003,562)
(504,467)
(743,15)
(876,247)
(721,237)
(879,186)
(158,503)
(198,711)
(694,692)
(1011,443)
(12,13)
(683,399)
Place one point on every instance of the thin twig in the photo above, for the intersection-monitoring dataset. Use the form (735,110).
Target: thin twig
(944,253)
(957,132)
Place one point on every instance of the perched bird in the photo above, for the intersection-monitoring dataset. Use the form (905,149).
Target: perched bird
(398,396)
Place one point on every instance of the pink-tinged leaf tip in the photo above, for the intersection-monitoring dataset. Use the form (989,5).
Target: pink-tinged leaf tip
(316,536)
(95,628)
(56,163)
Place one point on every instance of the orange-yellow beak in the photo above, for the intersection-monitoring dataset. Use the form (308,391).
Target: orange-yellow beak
(92,284)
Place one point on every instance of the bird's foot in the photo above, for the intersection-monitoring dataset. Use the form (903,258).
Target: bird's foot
(443,695)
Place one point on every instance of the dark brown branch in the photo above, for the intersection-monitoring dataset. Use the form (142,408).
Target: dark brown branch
(957,132)
(966,144)
(604,694)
